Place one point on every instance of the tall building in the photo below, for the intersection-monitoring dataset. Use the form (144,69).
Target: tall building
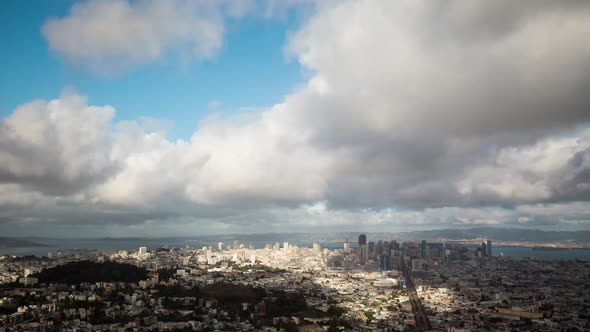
(236,245)
(220,246)
(142,250)
(385,262)
(286,246)
(346,246)
(362,240)
(423,248)
(363,254)
(371,248)
(484,251)
(489,248)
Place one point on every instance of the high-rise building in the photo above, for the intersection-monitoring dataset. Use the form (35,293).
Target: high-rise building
(362,240)
(484,251)
(371,248)
(423,248)
(363,254)
(385,262)
(346,246)
(236,245)
(286,246)
(489,248)
(220,246)
(142,250)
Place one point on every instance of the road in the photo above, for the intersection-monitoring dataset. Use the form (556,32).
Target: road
(422,321)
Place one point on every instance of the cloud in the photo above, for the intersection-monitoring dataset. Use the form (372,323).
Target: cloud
(56,147)
(554,169)
(412,94)
(115,34)
(110,36)
(415,113)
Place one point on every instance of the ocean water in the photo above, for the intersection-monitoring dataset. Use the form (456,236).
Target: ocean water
(583,255)
(132,244)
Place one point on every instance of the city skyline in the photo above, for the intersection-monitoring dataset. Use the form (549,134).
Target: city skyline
(171,118)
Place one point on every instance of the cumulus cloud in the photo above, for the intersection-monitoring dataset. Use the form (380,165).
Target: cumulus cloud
(554,169)
(414,93)
(461,112)
(110,36)
(57,147)
(113,34)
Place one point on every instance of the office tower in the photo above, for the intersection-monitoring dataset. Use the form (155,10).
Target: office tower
(362,240)
(286,246)
(385,262)
(363,254)
(484,251)
(378,247)
(346,246)
(236,245)
(423,248)
(142,250)
(386,248)
(220,246)
(371,248)
(489,248)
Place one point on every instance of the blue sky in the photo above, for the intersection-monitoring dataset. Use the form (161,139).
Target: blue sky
(250,71)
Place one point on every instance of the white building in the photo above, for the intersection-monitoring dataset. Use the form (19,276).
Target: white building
(346,246)
(143,250)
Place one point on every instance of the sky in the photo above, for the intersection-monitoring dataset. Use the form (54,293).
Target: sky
(191,117)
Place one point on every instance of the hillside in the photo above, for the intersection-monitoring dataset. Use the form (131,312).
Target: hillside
(87,271)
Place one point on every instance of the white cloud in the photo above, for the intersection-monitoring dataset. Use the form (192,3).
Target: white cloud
(554,169)
(110,35)
(58,146)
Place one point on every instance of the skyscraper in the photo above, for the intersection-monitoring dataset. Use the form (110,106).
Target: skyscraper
(362,240)
(385,262)
(363,254)
(484,251)
(489,248)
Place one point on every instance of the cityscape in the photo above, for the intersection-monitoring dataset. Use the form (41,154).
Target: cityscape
(294,165)
(362,286)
